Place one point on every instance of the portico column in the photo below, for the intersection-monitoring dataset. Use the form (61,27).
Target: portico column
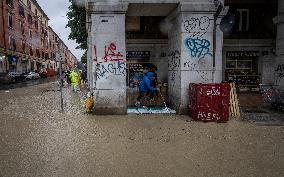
(279,68)
(191,50)
(109,57)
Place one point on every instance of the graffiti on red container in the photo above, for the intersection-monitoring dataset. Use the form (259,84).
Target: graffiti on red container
(208,116)
(213,92)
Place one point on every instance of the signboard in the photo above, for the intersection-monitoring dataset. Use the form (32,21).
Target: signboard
(138,54)
(232,54)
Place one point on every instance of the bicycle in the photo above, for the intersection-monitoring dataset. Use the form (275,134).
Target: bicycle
(272,96)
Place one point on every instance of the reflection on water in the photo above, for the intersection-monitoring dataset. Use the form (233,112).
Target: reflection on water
(27,83)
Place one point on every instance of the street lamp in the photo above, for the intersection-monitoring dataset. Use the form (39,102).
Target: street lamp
(59,59)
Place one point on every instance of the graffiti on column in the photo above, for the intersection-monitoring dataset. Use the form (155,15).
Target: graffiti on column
(112,68)
(197,24)
(111,63)
(174,60)
(199,48)
(110,54)
(280,71)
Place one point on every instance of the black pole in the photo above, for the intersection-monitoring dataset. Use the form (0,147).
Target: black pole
(220,7)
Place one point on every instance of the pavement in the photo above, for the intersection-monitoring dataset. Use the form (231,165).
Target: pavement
(36,140)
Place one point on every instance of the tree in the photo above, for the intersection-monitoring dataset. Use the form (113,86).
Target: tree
(84,58)
(77,22)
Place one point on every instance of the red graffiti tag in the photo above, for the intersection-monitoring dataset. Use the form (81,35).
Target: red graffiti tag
(95,53)
(111,54)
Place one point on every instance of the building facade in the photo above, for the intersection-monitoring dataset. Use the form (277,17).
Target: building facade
(27,42)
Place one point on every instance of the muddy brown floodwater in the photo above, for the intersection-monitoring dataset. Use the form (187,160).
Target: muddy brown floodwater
(37,140)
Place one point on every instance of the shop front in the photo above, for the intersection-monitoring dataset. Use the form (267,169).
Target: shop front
(24,64)
(13,62)
(3,63)
(242,69)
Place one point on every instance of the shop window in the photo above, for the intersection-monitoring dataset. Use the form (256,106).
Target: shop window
(10,3)
(29,5)
(46,56)
(21,10)
(243,19)
(37,53)
(10,20)
(31,51)
(30,19)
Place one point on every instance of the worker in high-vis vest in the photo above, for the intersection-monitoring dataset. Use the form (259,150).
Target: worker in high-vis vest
(75,80)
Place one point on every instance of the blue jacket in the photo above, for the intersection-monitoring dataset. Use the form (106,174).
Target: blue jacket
(147,83)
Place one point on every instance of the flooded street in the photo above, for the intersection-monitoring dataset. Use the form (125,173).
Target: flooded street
(38,140)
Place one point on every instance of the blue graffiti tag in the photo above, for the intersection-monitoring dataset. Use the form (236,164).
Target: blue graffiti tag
(199,48)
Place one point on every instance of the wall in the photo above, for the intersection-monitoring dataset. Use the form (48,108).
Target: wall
(174,63)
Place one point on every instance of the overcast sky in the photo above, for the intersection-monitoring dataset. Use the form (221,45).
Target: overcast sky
(56,10)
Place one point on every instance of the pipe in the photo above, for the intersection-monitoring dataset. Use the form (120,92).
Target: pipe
(219,10)
(3,23)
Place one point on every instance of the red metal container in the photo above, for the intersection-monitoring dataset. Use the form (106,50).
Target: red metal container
(209,102)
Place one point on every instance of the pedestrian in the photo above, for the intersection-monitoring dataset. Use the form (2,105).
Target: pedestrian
(75,80)
(146,88)
(67,75)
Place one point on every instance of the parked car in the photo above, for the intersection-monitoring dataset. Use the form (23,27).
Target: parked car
(32,75)
(43,75)
(18,77)
(5,78)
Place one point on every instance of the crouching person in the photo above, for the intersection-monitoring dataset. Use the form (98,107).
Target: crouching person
(89,104)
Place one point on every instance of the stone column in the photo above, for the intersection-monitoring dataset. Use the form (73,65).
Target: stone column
(279,68)
(191,50)
(109,57)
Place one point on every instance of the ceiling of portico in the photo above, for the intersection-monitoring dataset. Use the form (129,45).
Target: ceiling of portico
(153,9)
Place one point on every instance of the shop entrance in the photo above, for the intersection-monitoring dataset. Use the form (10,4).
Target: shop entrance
(146,47)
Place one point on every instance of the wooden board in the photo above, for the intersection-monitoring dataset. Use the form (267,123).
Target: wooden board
(234,102)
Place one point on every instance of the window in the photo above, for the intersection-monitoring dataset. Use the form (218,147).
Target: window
(36,12)
(12,43)
(30,19)
(42,42)
(24,46)
(10,3)
(42,54)
(30,34)
(243,19)
(31,50)
(29,5)
(10,20)
(22,28)
(21,10)
(36,24)
(37,53)
(37,39)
